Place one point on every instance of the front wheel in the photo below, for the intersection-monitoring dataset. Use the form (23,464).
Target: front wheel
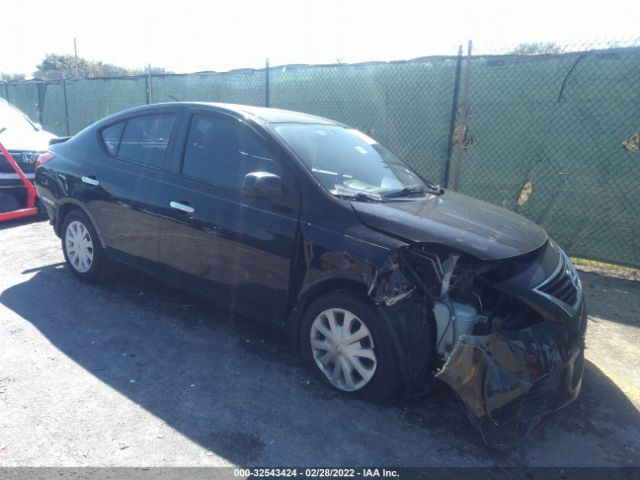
(342,339)
(81,247)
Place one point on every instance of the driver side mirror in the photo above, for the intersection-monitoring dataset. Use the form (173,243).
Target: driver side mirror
(262,185)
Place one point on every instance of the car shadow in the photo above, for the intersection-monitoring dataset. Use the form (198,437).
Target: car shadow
(236,387)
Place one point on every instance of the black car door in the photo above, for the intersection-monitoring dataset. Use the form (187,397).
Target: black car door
(214,238)
(123,187)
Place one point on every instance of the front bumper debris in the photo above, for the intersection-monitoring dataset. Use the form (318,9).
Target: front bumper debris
(509,381)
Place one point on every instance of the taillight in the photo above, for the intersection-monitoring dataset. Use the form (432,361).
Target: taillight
(44,158)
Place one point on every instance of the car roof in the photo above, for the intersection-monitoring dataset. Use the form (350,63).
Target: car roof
(268,115)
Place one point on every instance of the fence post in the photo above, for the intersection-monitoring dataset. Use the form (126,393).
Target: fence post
(148,85)
(66,106)
(464,107)
(452,121)
(266,80)
(6,92)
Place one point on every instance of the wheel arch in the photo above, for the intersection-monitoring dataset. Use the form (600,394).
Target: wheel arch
(406,325)
(65,209)
(317,290)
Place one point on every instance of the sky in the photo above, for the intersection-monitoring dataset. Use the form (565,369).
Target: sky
(189,35)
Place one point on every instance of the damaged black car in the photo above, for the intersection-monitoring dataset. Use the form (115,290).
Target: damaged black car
(382,278)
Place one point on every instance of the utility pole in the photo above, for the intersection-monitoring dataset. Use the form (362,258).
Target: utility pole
(267,92)
(464,110)
(452,120)
(75,55)
(149,85)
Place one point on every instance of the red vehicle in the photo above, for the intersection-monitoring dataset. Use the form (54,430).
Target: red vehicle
(23,141)
(7,205)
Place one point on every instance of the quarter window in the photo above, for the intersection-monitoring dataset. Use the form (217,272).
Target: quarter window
(145,139)
(111,137)
(223,151)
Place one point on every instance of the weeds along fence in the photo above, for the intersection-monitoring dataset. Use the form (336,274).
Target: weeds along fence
(554,137)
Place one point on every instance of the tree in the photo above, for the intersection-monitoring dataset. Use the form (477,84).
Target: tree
(56,67)
(144,71)
(536,48)
(12,77)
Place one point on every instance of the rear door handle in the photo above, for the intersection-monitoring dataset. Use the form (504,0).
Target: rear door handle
(90,181)
(181,207)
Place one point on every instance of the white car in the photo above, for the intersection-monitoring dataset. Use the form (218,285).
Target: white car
(25,140)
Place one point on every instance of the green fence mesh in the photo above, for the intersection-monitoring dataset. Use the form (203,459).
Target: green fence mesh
(25,96)
(554,127)
(405,106)
(92,99)
(53,116)
(551,136)
(244,87)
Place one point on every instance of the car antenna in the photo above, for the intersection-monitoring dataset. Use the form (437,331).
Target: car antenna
(174,98)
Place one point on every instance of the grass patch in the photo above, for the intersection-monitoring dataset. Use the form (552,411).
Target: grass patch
(606,268)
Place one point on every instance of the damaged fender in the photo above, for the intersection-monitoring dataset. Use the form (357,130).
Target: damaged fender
(377,269)
(509,381)
(527,362)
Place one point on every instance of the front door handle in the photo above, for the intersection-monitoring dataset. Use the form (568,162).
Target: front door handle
(182,207)
(90,181)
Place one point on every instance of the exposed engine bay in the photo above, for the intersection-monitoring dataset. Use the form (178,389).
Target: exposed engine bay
(508,333)
(465,298)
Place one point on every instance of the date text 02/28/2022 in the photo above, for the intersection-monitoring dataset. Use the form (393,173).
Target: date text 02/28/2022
(316,472)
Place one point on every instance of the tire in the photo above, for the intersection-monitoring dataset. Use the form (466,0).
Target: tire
(380,378)
(42,210)
(88,260)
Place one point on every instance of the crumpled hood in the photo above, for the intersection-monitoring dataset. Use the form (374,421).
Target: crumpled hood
(475,227)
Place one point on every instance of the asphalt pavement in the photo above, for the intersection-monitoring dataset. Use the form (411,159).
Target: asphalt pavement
(135,373)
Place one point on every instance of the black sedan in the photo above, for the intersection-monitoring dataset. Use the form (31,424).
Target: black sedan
(380,277)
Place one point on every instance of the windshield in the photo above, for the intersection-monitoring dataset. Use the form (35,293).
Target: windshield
(347,162)
(14,121)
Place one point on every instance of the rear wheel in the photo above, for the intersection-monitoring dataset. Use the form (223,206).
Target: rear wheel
(342,339)
(81,247)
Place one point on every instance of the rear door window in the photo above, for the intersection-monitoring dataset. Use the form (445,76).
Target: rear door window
(145,139)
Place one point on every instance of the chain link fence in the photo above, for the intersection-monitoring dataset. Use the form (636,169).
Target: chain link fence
(551,137)
(554,137)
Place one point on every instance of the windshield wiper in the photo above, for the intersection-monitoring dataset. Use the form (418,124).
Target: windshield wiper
(414,190)
(355,194)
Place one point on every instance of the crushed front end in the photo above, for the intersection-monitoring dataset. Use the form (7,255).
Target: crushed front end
(509,334)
